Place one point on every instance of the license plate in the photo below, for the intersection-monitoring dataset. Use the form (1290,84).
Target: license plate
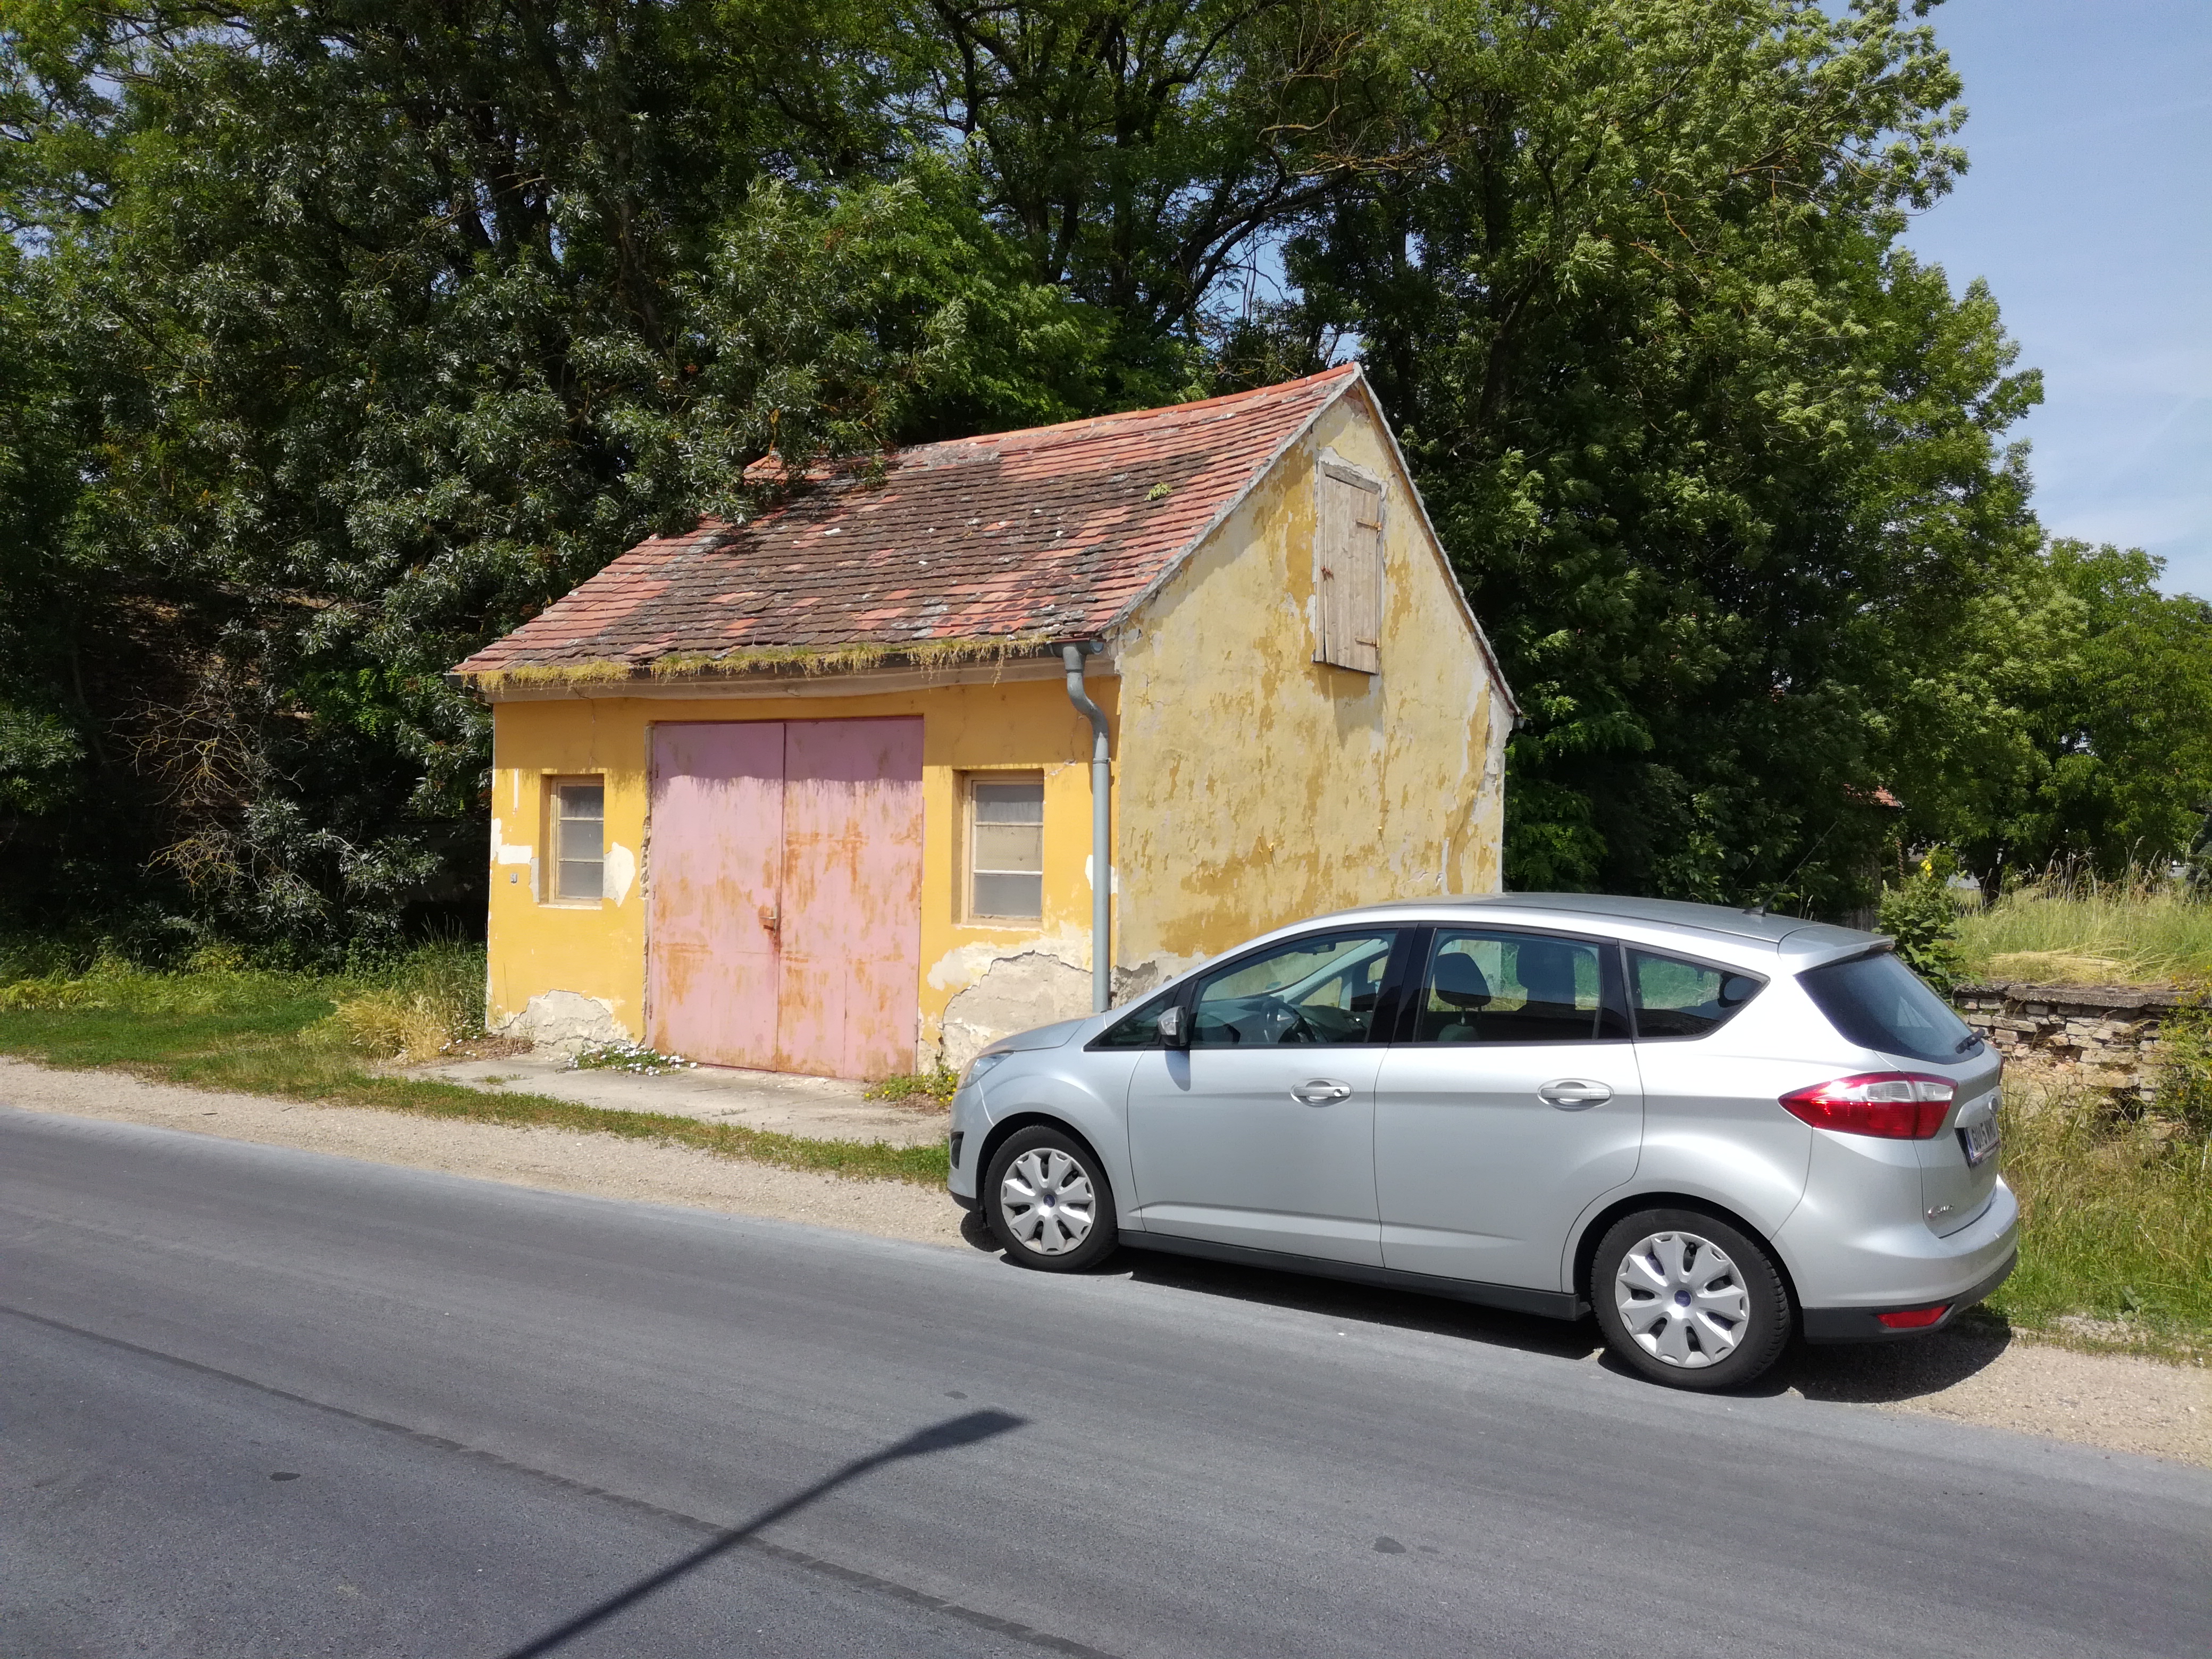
(1979,1138)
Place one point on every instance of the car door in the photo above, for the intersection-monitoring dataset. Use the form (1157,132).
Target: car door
(1511,1100)
(1262,1132)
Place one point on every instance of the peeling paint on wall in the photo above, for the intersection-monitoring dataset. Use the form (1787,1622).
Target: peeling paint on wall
(566,1020)
(1015,994)
(619,872)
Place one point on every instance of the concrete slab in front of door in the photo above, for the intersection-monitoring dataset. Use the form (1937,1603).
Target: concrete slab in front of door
(818,1108)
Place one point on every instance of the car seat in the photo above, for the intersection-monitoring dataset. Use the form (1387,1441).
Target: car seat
(1456,980)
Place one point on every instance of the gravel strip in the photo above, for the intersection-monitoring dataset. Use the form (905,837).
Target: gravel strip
(2118,1402)
(605,1166)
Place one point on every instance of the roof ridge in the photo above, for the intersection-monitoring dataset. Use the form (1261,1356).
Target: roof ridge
(1339,371)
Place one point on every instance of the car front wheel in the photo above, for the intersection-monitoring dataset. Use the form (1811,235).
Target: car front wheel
(1689,1301)
(1048,1202)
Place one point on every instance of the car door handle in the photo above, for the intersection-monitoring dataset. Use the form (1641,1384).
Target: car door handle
(1321,1092)
(1572,1094)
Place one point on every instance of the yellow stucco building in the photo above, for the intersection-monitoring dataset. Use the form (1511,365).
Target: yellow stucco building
(817,792)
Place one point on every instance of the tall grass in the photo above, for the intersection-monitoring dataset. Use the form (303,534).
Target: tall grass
(2070,929)
(220,1023)
(2116,1215)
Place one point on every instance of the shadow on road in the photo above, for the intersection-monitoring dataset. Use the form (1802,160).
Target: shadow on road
(1873,1374)
(1879,1373)
(967,1430)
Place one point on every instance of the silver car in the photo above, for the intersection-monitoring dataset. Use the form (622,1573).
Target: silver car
(1709,1128)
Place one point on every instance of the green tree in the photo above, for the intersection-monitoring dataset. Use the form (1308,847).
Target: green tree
(2114,694)
(1718,462)
(399,319)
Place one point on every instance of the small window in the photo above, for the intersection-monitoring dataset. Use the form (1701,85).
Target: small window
(1678,998)
(1485,987)
(1005,846)
(579,842)
(1879,1003)
(1317,989)
(1139,1029)
(1348,570)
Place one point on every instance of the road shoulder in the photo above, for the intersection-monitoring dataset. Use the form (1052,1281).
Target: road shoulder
(2113,1401)
(561,1160)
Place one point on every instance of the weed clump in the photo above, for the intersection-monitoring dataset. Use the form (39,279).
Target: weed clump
(634,1057)
(939,1086)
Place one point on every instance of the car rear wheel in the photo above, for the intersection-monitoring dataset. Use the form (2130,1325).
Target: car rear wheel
(1048,1202)
(1687,1300)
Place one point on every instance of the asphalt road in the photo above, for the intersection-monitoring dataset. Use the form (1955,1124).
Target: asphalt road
(267,1402)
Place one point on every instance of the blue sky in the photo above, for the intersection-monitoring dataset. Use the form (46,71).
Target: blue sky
(2088,208)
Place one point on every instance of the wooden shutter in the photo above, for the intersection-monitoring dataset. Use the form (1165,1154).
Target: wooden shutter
(1348,571)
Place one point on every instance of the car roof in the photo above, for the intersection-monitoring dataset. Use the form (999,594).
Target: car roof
(1791,935)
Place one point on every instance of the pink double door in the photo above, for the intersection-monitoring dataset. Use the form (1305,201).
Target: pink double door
(783,893)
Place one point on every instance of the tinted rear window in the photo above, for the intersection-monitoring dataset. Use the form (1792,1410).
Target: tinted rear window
(1879,1003)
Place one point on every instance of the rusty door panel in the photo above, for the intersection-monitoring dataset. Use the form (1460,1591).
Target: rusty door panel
(852,896)
(714,873)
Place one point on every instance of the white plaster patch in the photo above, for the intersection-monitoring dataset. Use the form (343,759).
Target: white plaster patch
(1113,870)
(567,1020)
(1013,994)
(620,871)
(515,854)
(961,966)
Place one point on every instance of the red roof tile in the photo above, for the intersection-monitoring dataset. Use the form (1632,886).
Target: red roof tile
(1050,534)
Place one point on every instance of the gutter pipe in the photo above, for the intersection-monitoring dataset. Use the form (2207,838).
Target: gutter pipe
(1102,826)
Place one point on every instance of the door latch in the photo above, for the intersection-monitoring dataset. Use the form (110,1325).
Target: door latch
(1321,1092)
(1572,1094)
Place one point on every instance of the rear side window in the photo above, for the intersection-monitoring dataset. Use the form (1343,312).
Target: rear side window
(1879,1003)
(1674,998)
(1485,987)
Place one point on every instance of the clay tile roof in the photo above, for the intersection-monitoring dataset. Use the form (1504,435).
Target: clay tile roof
(1041,535)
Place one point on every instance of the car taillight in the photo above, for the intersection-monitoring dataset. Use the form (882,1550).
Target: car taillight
(1893,1105)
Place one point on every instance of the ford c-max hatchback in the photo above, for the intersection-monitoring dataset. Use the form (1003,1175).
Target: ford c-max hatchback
(1706,1127)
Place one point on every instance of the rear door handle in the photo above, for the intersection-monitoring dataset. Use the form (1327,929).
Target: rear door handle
(1321,1092)
(1572,1094)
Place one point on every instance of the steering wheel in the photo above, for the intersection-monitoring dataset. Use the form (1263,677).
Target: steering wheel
(1285,1023)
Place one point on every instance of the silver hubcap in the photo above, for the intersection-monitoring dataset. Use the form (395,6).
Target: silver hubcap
(1046,1198)
(1680,1298)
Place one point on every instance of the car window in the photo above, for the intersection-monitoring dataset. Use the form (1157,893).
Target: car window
(1493,987)
(1140,1028)
(1879,1003)
(1677,998)
(1321,989)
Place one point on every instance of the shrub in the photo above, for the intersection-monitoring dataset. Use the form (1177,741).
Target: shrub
(1922,917)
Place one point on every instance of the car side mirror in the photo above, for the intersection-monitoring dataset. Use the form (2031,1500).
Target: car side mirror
(1173,1032)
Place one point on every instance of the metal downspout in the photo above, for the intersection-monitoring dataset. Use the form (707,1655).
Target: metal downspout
(1102,827)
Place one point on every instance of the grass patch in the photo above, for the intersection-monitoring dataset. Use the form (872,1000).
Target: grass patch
(2076,930)
(2116,1225)
(939,1085)
(291,1036)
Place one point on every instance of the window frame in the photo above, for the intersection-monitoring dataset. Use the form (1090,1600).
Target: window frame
(1613,988)
(1727,970)
(965,874)
(556,826)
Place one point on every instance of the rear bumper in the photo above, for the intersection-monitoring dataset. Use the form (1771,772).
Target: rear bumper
(1824,1325)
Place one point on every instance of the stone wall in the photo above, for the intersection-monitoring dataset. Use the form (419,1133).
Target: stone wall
(2094,1036)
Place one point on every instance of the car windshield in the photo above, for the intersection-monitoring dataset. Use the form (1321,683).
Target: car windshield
(1879,1003)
